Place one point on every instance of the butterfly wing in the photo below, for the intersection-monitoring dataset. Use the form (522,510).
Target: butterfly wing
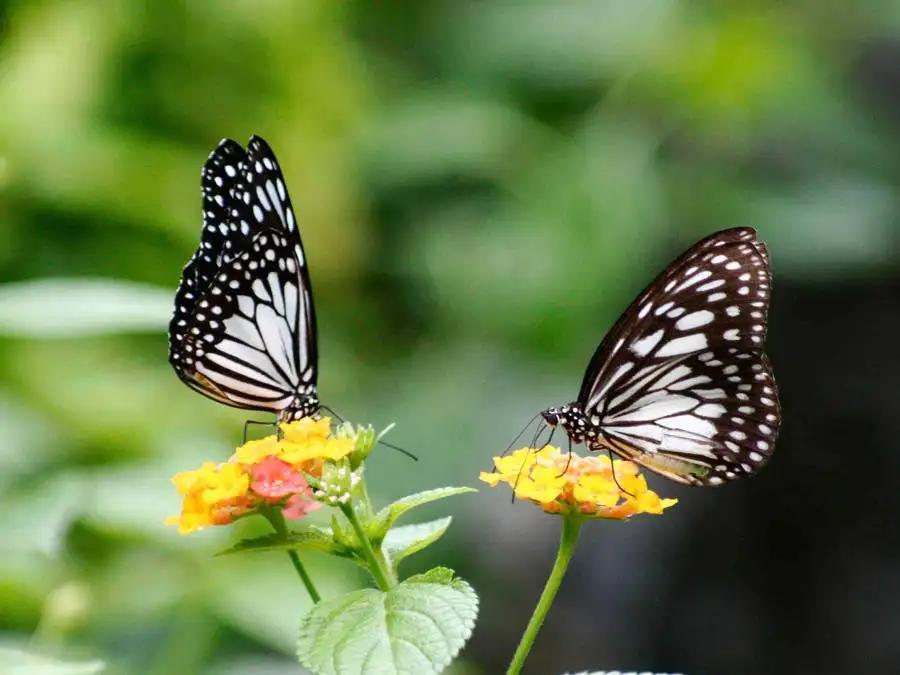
(250,269)
(243,346)
(681,384)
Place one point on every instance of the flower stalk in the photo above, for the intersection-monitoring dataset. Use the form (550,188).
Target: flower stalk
(571,526)
(276,519)
(377,563)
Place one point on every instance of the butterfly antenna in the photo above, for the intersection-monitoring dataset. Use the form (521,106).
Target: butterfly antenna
(612,465)
(534,446)
(400,450)
(332,412)
(385,443)
(519,435)
(247,424)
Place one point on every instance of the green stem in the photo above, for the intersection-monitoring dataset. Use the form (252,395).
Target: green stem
(276,518)
(570,528)
(378,566)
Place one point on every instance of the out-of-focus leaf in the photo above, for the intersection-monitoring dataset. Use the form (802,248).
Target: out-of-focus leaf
(256,664)
(27,437)
(831,227)
(13,662)
(64,308)
(581,227)
(37,519)
(262,597)
(554,45)
(466,137)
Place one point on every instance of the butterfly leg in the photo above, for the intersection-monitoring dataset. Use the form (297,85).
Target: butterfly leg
(568,460)
(258,422)
(615,479)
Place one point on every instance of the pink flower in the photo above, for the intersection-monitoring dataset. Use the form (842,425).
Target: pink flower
(277,482)
(299,505)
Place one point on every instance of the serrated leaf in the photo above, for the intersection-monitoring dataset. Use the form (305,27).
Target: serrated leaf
(402,542)
(319,539)
(416,627)
(389,514)
(436,575)
(15,662)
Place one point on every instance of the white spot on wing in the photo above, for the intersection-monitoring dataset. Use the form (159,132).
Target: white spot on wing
(710,410)
(683,345)
(695,320)
(690,424)
(646,344)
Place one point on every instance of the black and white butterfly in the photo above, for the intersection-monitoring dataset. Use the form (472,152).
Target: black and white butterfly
(244,327)
(680,384)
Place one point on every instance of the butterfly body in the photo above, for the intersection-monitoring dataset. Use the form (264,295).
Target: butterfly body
(243,332)
(680,384)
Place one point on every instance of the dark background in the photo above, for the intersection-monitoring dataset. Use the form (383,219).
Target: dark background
(482,187)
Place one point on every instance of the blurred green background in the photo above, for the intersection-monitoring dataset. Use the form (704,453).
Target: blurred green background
(482,186)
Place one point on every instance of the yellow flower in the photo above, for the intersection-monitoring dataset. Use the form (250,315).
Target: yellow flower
(307,430)
(252,452)
(305,444)
(213,495)
(566,483)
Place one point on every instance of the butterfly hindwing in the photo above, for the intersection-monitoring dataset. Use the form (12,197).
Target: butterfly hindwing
(246,344)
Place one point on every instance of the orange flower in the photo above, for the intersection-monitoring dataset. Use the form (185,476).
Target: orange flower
(567,483)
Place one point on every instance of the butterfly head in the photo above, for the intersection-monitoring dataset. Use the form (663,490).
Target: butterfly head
(571,418)
(303,405)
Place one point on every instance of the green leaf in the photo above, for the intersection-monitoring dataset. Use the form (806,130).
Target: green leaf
(402,542)
(389,514)
(14,662)
(417,627)
(343,537)
(317,538)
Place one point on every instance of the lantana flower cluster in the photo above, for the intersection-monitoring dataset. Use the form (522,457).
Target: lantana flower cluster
(271,471)
(565,483)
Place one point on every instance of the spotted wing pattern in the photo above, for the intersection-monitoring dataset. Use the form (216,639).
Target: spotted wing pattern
(243,331)
(681,384)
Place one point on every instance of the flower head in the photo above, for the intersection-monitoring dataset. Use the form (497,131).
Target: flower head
(271,470)
(212,495)
(567,483)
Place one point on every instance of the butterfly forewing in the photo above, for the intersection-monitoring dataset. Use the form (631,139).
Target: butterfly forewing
(681,384)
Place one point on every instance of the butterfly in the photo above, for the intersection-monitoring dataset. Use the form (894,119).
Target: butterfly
(243,331)
(681,385)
